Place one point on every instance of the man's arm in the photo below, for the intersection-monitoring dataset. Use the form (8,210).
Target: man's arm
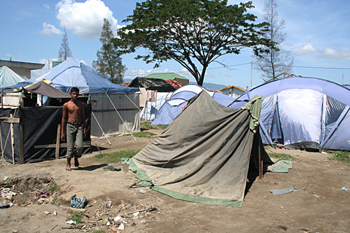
(63,121)
(83,117)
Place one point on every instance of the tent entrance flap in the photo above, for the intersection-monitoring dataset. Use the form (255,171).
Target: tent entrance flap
(204,155)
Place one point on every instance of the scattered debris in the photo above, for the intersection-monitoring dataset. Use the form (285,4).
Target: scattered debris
(7,193)
(283,228)
(6,177)
(283,191)
(71,222)
(111,168)
(143,191)
(345,189)
(78,203)
(42,193)
(121,227)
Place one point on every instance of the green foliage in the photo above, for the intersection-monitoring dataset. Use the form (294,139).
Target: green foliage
(116,156)
(341,156)
(190,32)
(108,63)
(77,217)
(281,156)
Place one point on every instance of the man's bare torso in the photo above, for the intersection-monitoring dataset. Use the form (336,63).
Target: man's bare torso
(74,111)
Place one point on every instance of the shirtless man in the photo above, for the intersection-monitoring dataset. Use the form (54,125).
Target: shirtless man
(76,128)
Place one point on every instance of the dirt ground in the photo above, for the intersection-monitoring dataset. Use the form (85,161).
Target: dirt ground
(319,205)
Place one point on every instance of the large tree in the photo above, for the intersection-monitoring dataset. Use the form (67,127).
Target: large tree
(64,52)
(194,33)
(109,63)
(278,63)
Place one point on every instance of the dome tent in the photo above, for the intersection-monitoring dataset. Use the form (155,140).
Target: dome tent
(303,113)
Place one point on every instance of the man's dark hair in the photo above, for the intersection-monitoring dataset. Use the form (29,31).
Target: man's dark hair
(74,89)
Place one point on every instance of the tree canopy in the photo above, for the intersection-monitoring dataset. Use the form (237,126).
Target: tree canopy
(109,63)
(277,62)
(194,33)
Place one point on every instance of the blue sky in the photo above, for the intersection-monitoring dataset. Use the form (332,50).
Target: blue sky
(317,35)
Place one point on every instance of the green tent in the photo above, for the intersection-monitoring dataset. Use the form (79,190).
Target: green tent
(205,153)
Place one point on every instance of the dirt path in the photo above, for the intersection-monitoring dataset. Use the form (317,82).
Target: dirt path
(319,205)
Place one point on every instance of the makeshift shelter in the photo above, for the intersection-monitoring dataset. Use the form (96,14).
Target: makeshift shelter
(170,76)
(8,77)
(303,113)
(151,84)
(205,154)
(178,101)
(31,134)
(232,91)
(114,107)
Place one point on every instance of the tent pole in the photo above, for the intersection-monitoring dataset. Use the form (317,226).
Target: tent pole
(103,133)
(133,102)
(132,136)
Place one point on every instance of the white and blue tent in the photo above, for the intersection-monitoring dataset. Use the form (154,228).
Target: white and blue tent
(115,109)
(303,113)
(73,73)
(179,99)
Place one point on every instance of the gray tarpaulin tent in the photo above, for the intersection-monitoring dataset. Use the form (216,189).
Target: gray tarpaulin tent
(205,154)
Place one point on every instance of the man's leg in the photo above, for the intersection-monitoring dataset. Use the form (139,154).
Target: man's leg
(79,142)
(70,144)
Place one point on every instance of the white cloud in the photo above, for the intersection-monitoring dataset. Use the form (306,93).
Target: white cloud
(85,18)
(307,49)
(47,6)
(343,54)
(49,29)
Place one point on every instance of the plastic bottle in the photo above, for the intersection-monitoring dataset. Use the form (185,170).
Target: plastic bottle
(345,189)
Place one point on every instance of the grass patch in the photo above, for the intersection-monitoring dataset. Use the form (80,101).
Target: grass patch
(147,125)
(98,231)
(24,217)
(116,156)
(54,188)
(341,156)
(281,156)
(77,217)
(142,134)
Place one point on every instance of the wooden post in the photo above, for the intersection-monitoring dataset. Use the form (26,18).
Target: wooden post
(12,141)
(2,100)
(2,146)
(21,142)
(58,140)
(260,170)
